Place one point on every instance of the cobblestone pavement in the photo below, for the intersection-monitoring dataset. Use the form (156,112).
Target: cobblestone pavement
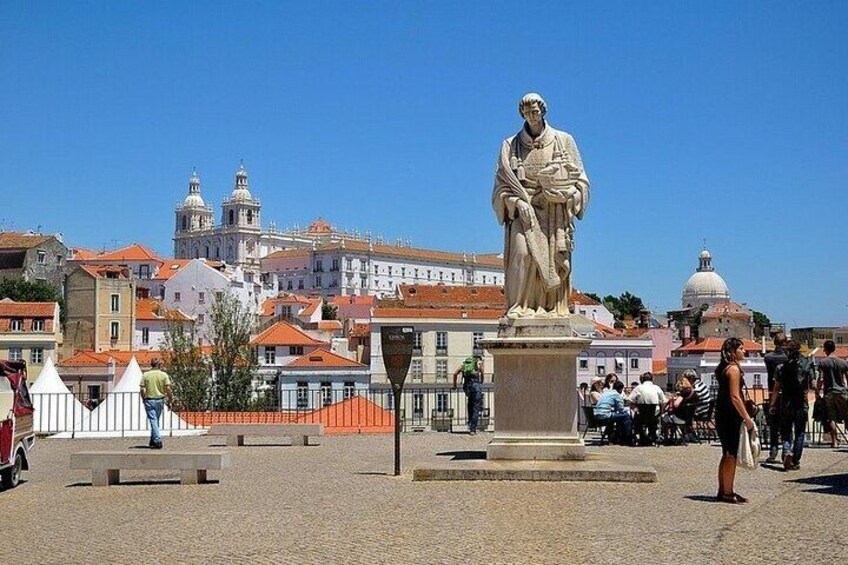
(338,503)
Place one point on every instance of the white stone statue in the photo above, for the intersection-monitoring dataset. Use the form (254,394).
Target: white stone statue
(540,187)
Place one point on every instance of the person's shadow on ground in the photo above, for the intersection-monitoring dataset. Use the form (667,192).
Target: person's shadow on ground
(829,484)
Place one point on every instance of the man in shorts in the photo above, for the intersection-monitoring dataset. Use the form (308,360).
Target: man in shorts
(832,383)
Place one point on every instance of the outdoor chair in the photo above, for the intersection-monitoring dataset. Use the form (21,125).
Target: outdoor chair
(646,423)
(593,423)
(675,433)
(704,427)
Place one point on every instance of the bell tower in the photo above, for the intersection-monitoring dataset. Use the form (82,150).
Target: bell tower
(240,224)
(192,217)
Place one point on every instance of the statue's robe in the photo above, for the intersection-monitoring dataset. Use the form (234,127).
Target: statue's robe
(537,257)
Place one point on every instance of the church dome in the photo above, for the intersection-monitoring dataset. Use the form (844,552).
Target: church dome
(240,190)
(705,286)
(193,199)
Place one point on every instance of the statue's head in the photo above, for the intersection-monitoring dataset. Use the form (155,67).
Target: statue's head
(531,106)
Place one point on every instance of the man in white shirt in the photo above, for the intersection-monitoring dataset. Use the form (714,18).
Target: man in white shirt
(647,393)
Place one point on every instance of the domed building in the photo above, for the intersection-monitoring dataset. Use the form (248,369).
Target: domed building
(705,286)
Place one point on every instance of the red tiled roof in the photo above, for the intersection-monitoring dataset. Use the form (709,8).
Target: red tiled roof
(659,366)
(309,310)
(98,271)
(88,358)
(329,325)
(727,309)
(16,240)
(578,297)
(134,252)
(81,254)
(283,333)
(841,352)
(12,309)
(442,313)
(489,260)
(171,267)
(713,344)
(607,331)
(360,330)
(270,303)
(320,226)
(323,358)
(441,296)
(352,299)
(152,309)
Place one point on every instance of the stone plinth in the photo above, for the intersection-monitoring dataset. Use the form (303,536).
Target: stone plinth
(535,368)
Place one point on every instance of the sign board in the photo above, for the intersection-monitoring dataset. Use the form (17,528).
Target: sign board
(396,342)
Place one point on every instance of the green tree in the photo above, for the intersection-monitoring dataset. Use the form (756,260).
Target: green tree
(188,369)
(624,305)
(233,358)
(328,311)
(20,290)
(761,324)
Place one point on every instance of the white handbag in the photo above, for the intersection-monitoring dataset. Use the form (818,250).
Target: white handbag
(749,448)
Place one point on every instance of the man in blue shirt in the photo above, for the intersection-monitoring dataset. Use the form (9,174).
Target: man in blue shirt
(611,409)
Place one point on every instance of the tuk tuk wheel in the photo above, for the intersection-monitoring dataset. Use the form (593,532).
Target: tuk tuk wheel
(12,475)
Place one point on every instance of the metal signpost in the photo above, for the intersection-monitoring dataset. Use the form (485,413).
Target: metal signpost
(396,342)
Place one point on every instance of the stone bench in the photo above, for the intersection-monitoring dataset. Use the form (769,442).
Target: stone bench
(299,433)
(106,466)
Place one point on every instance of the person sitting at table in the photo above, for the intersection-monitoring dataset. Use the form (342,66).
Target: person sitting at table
(611,409)
(595,390)
(611,379)
(641,397)
(679,409)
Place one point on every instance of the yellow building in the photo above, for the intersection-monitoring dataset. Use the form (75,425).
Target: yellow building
(101,309)
(29,331)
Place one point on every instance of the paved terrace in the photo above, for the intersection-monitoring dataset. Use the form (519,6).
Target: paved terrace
(338,503)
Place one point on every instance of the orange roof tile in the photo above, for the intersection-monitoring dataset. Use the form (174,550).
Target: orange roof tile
(329,325)
(356,415)
(323,358)
(270,303)
(727,309)
(134,252)
(841,352)
(659,366)
(16,240)
(713,344)
(360,330)
(11,309)
(578,297)
(88,358)
(441,313)
(81,254)
(489,260)
(320,226)
(169,268)
(152,309)
(352,299)
(607,331)
(99,271)
(309,310)
(283,333)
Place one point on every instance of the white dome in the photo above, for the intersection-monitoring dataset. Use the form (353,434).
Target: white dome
(705,255)
(193,200)
(704,287)
(240,193)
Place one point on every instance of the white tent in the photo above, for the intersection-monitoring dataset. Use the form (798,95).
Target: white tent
(56,407)
(122,413)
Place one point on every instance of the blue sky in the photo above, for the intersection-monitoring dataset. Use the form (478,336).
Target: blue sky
(722,121)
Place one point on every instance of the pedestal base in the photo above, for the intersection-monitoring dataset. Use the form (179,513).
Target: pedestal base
(535,405)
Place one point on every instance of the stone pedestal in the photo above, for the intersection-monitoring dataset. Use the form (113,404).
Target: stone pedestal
(535,368)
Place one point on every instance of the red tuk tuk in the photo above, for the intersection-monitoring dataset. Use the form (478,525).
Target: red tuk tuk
(16,432)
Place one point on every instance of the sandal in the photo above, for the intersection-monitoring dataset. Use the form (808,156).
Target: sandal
(728,498)
(739,498)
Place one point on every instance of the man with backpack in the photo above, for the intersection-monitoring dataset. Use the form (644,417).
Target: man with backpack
(472,380)
(792,381)
(774,359)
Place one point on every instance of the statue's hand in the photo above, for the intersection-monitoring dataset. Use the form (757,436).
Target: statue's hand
(525,212)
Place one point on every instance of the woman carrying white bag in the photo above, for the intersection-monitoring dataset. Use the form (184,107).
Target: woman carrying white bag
(731,418)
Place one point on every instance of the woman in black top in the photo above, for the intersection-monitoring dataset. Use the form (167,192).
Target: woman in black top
(729,414)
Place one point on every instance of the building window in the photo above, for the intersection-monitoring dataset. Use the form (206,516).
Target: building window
(16,325)
(349,389)
(300,284)
(115,303)
(634,362)
(285,311)
(42,257)
(144,270)
(429,273)
(177,296)
(145,336)
(250,216)
(15,354)
(442,403)
(201,318)
(349,264)
(36,355)
(602,370)
(403,272)
(38,325)
(390,270)
(363,281)
(295,350)
(363,265)
(201,297)
(475,343)
(584,363)
(219,296)
(270,355)
(418,405)
(289,285)
(114,330)
(317,280)
(326,393)
(441,343)
(416,273)
(94,393)
(441,370)
(335,266)
(416,371)
(302,395)
(232,217)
